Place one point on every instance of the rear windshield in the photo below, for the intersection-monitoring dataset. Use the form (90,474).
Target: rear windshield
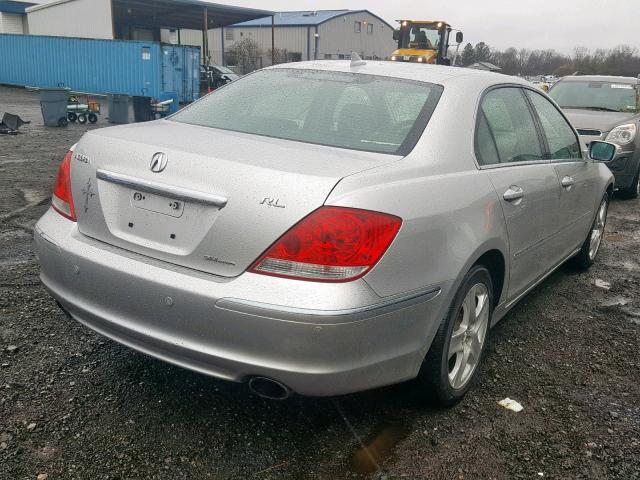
(354,111)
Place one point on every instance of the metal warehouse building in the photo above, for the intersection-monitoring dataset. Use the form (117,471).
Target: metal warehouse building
(305,35)
(131,19)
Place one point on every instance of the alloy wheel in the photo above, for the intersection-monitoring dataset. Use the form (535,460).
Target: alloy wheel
(598,230)
(468,336)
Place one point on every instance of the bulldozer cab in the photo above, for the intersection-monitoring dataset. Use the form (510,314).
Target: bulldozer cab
(423,42)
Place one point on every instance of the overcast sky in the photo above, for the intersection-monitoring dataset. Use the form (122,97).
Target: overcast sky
(558,24)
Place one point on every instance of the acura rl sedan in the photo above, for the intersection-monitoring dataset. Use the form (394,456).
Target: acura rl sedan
(325,227)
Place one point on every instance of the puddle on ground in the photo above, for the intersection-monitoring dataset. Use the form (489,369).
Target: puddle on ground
(616,238)
(32,196)
(617,301)
(633,314)
(378,447)
(630,265)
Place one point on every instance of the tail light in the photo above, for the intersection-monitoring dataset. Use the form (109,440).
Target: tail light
(62,200)
(332,244)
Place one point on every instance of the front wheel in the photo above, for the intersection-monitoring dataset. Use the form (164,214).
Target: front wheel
(459,344)
(589,250)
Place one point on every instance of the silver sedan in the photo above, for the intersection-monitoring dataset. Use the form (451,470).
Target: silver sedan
(325,227)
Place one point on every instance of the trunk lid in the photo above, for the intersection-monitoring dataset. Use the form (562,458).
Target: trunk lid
(221,200)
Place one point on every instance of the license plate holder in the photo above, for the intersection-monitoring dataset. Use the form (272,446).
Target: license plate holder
(157,203)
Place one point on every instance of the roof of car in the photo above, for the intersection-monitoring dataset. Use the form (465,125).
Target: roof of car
(599,78)
(438,74)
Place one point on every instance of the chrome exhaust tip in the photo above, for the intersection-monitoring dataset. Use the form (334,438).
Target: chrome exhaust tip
(268,388)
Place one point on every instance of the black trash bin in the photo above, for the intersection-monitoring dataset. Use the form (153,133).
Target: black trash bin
(53,103)
(142,109)
(118,108)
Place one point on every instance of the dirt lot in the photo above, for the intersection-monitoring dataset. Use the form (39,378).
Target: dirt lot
(75,405)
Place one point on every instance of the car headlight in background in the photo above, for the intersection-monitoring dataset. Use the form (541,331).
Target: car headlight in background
(622,134)
(420,59)
(393,58)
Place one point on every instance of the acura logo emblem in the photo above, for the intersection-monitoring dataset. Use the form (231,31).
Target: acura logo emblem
(158,162)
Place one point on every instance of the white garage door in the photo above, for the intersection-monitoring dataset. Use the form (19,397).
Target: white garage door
(11,23)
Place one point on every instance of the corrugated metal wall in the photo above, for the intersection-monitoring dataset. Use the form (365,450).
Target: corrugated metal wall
(11,23)
(98,66)
(181,71)
(78,19)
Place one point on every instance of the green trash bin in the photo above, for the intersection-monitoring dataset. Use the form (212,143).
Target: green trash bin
(118,108)
(53,103)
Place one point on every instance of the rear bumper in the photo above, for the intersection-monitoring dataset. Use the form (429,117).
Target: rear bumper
(318,339)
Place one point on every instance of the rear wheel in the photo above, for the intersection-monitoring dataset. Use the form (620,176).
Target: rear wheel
(93,118)
(82,119)
(460,342)
(72,117)
(589,250)
(634,189)
(63,122)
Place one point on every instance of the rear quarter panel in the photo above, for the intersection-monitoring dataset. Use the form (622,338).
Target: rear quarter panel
(449,221)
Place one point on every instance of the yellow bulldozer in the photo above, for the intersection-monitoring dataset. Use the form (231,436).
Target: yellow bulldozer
(425,41)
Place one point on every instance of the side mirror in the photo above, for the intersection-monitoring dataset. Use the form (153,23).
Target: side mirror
(459,37)
(396,34)
(602,151)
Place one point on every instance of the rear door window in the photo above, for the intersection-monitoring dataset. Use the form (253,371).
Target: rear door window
(561,139)
(505,120)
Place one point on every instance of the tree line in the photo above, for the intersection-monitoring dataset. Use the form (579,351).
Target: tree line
(621,60)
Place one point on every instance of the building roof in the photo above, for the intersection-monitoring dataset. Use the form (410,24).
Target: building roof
(486,66)
(301,18)
(10,6)
(173,13)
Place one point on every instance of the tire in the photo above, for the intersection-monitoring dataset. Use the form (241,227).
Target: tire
(63,122)
(588,252)
(446,374)
(634,189)
(72,117)
(82,119)
(93,118)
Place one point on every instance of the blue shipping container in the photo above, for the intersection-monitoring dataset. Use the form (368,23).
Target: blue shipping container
(101,66)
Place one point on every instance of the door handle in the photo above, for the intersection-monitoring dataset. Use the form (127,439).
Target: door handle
(513,193)
(567,181)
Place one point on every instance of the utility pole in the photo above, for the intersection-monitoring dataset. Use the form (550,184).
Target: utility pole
(273,39)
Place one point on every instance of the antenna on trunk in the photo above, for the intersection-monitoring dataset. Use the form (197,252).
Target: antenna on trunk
(356,60)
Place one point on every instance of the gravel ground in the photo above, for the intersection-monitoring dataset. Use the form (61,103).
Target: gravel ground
(74,405)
